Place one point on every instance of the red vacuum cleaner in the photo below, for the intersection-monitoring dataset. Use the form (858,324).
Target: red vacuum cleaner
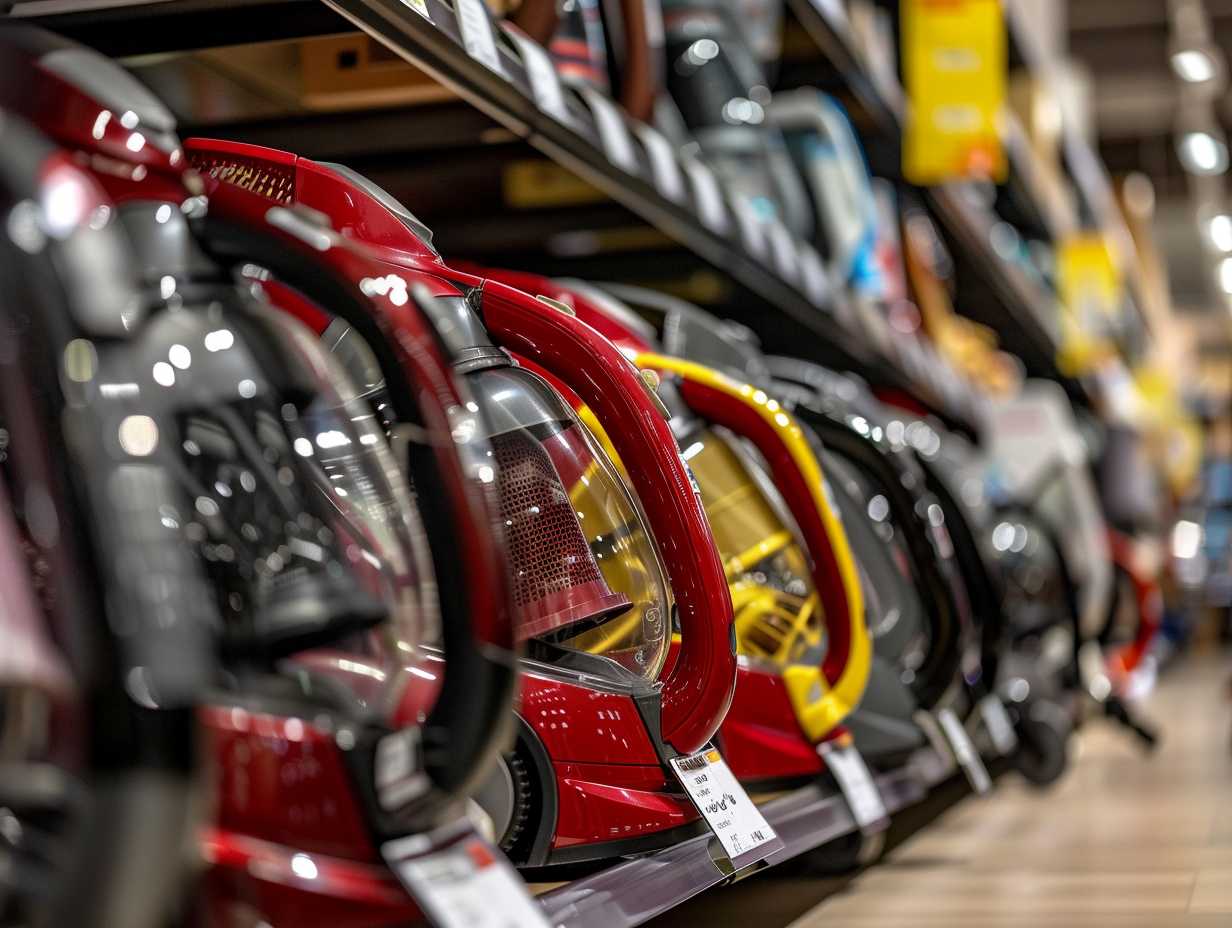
(599,716)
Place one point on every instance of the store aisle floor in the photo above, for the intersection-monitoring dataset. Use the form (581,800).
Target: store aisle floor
(1125,840)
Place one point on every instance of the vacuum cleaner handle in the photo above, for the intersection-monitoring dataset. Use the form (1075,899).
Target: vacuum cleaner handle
(699,686)
(466,724)
(797,475)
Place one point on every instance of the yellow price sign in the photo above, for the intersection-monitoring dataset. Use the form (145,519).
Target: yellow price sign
(954,67)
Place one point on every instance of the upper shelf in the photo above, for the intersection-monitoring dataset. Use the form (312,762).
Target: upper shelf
(512,82)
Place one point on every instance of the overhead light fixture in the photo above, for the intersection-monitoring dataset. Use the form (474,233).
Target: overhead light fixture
(1219,228)
(1225,275)
(1202,153)
(1193,65)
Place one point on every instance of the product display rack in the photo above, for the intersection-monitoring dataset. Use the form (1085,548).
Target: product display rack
(789,300)
(805,819)
(792,304)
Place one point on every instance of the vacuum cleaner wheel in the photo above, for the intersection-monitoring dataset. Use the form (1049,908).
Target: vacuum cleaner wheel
(1043,745)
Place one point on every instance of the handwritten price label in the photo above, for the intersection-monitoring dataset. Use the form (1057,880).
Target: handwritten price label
(743,831)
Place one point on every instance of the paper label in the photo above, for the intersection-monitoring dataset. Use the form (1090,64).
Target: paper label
(668,177)
(420,7)
(708,195)
(614,132)
(478,36)
(964,751)
(752,229)
(745,834)
(997,722)
(816,281)
(857,785)
(544,81)
(783,246)
(462,881)
(398,773)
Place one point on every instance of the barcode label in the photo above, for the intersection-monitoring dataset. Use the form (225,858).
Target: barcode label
(696,762)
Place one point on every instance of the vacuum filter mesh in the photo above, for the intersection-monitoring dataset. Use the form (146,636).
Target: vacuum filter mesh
(274,181)
(556,581)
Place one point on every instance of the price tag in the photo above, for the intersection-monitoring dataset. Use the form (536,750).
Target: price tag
(420,7)
(964,751)
(544,82)
(462,881)
(708,195)
(752,229)
(783,245)
(614,132)
(667,174)
(478,36)
(398,773)
(997,722)
(857,785)
(816,281)
(738,824)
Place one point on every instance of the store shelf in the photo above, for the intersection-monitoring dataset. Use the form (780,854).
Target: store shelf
(791,302)
(634,891)
(826,23)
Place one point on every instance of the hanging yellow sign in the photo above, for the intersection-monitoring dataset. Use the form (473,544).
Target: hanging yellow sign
(1090,287)
(954,67)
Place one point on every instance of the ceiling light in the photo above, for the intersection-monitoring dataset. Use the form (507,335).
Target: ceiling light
(1220,230)
(1193,65)
(1202,153)
(1225,275)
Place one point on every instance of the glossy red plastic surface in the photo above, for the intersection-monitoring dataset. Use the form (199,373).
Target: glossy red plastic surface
(615,802)
(254,882)
(578,724)
(282,779)
(760,738)
(128,159)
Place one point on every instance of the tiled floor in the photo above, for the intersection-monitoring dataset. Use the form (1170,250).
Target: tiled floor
(1126,840)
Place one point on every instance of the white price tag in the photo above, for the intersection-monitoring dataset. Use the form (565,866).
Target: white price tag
(738,824)
(783,246)
(544,81)
(816,281)
(420,7)
(667,174)
(614,132)
(708,195)
(997,722)
(752,229)
(398,773)
(462,881)
(478,36)
(857,785)
(964,751)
